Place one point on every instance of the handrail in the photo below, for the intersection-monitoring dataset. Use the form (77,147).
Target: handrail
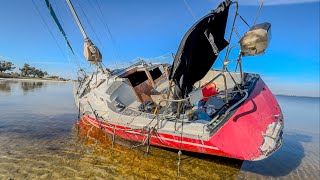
(140,62)
(186,99)
(169,100)
(236,104)
(232,107)
(230,37)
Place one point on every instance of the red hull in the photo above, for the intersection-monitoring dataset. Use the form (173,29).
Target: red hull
(241,137)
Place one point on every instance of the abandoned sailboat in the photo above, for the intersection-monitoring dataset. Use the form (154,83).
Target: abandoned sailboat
(187,105)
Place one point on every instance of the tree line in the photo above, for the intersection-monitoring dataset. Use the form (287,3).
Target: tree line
(25,71)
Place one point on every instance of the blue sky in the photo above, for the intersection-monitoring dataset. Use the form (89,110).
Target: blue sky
(150,29)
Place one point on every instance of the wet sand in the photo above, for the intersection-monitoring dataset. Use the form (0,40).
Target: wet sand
(39,139)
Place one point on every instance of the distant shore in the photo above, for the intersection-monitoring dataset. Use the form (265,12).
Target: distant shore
(297,96)
(34,79)
(16,76)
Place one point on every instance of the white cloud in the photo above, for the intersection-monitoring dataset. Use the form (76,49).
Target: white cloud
(275,2)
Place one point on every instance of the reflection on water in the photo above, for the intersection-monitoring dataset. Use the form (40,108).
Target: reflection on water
(25,85)
(298,158)
(38,141)
(31,86)
(5,86)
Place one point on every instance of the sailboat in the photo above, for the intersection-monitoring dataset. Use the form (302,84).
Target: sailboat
(187,106)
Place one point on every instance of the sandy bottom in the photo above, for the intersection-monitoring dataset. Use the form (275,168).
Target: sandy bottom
(85,157)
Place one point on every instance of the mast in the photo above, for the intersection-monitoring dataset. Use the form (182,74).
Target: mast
(74,13)
(91,51)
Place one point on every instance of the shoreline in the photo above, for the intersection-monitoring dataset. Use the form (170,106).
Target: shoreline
(35,79)
(296,96)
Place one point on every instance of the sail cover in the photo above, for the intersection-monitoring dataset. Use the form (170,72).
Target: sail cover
(199,49)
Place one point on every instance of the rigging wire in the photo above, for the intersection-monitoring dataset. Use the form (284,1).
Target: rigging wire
(115,44)
(97,14)
(258,12)
(54,4)
(47,26)
(244,20)
(106,27)
(74,28)
(54,16)
(106,24)
(190,10)
(87,19)
(56,41)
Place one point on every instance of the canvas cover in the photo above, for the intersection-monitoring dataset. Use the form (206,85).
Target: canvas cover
(199,49)
(256,40)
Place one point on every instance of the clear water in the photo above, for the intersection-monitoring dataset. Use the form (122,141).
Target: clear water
(38,140)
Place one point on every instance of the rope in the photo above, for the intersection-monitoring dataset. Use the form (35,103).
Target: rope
(88,124)
(87,19)
(47,26)
(148,139)
(79,110)
(113,135)
(190,10)
(106,24)
(150,130)
(179,152)
(97,14)
(244,20)
(258,12)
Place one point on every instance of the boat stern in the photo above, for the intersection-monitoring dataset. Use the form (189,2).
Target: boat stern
(272,138)
(255,130)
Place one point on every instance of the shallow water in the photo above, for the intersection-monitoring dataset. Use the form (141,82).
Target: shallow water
(39,140)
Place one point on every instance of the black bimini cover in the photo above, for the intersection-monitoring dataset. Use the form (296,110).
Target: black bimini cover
(199,49)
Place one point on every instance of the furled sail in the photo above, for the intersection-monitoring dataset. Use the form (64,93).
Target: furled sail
(199,49)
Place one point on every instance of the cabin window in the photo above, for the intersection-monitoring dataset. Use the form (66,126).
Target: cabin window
(137,78)
(155,73)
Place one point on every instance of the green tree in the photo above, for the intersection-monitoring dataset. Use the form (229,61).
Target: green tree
(54,77)
(6,66)
(39,73)
(26,70)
